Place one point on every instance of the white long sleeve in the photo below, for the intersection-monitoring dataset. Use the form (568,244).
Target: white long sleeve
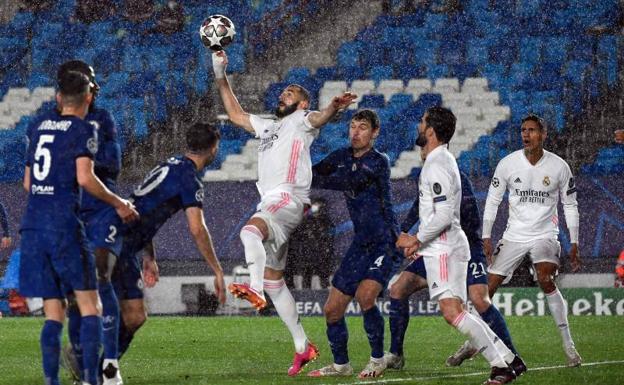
(497,189)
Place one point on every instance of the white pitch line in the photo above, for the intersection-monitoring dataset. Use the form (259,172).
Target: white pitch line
(398,380)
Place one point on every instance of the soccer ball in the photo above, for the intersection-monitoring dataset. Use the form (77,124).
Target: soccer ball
(216,32)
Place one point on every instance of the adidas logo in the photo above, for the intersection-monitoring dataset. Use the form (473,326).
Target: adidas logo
(518,180)
(434,286)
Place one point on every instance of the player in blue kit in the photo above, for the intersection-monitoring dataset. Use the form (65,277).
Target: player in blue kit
(55,257)
(363,174)
(414,278)
(172,186)
(107,165)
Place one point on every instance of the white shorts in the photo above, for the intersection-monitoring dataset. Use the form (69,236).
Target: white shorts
(508,255)
(282,212)
(446,275)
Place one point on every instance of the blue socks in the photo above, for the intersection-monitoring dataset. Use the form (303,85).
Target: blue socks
(338,337)
(374,326)
(399,319)
(496,322)
(110,320)
(90,338)
(51,350)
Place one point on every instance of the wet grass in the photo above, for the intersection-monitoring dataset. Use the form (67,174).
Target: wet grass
(258,350)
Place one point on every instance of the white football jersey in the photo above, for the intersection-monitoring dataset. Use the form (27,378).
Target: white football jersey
(440,192)
(534,192)
(284,161)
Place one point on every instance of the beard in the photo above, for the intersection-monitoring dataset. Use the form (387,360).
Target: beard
(287,110)
(421,140)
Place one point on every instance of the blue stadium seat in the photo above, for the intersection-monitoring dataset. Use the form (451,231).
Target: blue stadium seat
(297,75)
(372,101)
(325,73)
(379,73)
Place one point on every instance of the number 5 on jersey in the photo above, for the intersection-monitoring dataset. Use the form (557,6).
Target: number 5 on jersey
(43,155)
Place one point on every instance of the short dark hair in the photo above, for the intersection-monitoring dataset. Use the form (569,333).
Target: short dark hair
(302,90)
(369,115)
(442,120)
(201,137)
(79,66)
(73,87)
(535,118)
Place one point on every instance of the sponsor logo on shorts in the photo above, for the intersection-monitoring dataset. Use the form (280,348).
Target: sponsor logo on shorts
(434,286)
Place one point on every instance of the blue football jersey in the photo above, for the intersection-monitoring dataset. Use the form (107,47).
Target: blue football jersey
(365,182)
(107,162)
(55,142)
(172,186)
(470,216)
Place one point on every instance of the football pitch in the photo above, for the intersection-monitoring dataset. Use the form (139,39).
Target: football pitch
(258,350)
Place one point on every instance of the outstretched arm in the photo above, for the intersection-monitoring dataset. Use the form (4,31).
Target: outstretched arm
(199,231)
(318,118)
(235,112)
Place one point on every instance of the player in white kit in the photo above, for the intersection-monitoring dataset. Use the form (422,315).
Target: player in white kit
(284,179)
(535,180)
(443,245)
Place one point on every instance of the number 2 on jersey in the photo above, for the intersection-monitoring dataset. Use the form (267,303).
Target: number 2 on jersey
(43,155)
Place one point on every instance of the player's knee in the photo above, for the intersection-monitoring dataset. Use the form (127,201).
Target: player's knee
(332,313)
(135,320)
(104,263)
(250,233)
(366,302)
(72,304)
(546,282)
(397,291)
(480,304)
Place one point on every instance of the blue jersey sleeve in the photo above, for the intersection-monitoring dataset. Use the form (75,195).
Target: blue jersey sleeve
(470,216)
(192,191)
(414,214)
(108,157)
(4,221)
(327,175)
(86,141)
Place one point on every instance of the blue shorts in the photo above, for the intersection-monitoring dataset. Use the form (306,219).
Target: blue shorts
(55,263)
(477,270)
(103,229)
(378,262)
(127,278)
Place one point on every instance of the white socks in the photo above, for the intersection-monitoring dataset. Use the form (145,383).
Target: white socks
(476,330)
(255,256)
(287,309)
(559,311)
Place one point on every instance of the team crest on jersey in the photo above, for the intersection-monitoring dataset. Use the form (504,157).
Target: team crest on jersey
(546,181)
(495,182)
(437,188)
(199,195)
(92,145)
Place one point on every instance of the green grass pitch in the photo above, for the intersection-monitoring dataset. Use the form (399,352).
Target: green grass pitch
(258,350)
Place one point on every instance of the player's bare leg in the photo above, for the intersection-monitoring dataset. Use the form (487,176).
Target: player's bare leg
(407,284)
(252,235)
(133,316)
(275,287)
(556,304)
(337,334)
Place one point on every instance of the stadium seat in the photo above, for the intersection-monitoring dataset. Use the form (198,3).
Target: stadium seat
(390,87)
(373,101)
